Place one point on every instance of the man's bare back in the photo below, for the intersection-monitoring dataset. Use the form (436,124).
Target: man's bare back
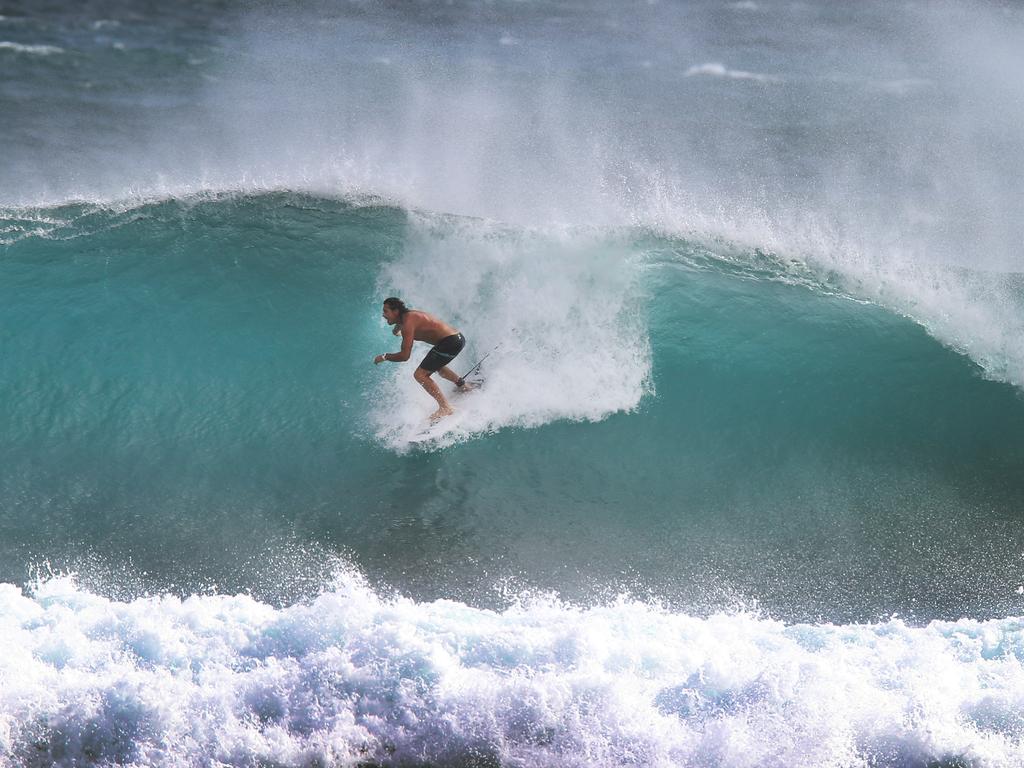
(423,327)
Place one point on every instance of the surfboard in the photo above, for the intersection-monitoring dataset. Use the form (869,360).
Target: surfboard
(433,433)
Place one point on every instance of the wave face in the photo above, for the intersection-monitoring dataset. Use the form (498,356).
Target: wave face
(742,486)
(189,378)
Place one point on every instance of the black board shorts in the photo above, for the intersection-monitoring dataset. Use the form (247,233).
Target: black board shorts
(443,352)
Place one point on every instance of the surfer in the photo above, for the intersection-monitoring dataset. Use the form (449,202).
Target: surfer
(416,325)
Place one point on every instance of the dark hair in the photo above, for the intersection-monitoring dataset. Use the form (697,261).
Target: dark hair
(393,303)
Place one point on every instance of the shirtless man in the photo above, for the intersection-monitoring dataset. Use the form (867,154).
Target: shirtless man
(415,325)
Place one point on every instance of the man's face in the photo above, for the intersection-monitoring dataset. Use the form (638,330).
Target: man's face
(391,315)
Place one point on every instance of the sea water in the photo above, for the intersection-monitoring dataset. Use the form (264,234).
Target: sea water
(742,486)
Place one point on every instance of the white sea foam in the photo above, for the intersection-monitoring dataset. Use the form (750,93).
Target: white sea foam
(564,305)
(716,69)
(353,677)
(34,50)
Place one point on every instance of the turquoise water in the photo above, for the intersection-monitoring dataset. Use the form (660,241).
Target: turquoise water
(743,483)
(187,393)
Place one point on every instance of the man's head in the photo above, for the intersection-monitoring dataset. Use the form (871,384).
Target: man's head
(394,309)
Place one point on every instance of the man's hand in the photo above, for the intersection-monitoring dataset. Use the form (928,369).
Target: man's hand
(379,359)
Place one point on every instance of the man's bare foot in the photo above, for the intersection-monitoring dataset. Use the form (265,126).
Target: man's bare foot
(440,413)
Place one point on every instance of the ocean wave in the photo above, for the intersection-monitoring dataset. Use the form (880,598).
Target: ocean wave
(353,677)
(76,205)
(154,374)
(977,313)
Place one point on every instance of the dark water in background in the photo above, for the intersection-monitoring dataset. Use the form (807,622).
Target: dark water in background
(756,274)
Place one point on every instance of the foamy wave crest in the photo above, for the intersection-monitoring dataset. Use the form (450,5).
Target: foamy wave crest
(978,314)
(715,69)
(353,678)
(564,305)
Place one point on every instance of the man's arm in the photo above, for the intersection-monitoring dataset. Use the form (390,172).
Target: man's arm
(408,332)
(407,340)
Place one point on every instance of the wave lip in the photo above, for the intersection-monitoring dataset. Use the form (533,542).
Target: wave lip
(354,677)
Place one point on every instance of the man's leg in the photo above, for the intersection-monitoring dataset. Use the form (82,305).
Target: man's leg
(422,375)
(453,377)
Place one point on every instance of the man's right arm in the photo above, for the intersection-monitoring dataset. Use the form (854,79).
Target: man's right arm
(408,336)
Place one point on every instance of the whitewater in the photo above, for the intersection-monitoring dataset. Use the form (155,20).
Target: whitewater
(743,485)
(351,678)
